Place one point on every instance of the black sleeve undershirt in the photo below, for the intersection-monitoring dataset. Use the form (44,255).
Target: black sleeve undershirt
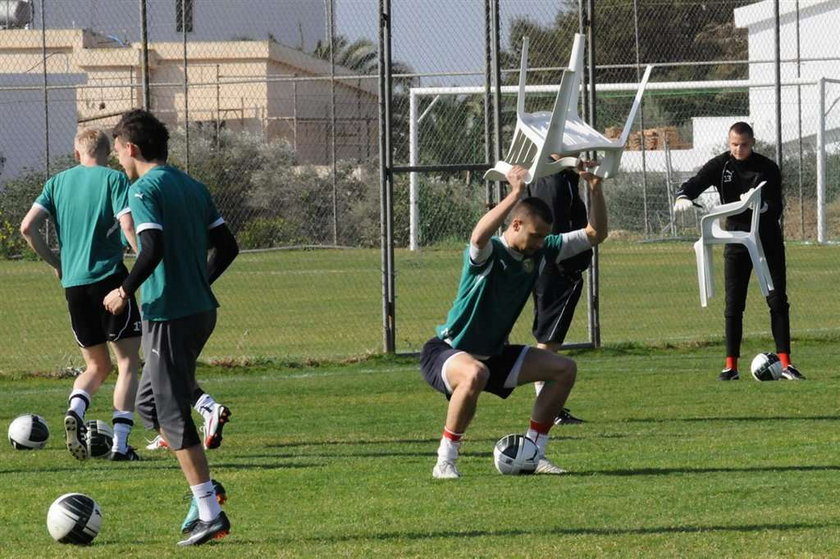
(151,253)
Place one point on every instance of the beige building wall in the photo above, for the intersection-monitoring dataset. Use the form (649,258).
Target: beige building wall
(258,86)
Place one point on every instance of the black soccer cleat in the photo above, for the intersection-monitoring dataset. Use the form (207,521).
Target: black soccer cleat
(129,455)
(792,373)
(203,531)
(565,417)
(729,374)
(74,435)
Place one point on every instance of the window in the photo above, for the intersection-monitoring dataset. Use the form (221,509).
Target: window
(183,15)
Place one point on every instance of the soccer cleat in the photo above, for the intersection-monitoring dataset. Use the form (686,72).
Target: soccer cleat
(792,373)
(546,467)
(156,443)
(192,513)
(214,422)
(729,374)
(129,455)
(445,469)
(565,417)
(74,435)
(204,531)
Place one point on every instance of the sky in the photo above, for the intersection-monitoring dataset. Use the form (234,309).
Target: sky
(438,35)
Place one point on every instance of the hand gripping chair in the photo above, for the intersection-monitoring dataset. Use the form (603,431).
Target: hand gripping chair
(561,131)
(712,233)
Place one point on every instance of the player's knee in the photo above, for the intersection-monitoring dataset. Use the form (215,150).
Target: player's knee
(565,370)
(476,377)
(778,302)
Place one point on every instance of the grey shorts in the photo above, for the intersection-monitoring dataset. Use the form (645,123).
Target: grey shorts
(165,394)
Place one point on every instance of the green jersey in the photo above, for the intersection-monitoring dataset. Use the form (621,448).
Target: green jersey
(491,295)
(86,204)
(168,199)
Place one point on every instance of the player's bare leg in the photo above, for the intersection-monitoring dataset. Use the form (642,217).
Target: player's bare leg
(558,373)
(467,377)
(213,523)
(97,367)
(127,353)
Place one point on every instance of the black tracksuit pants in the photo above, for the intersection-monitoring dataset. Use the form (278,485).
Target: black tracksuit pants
(738,267)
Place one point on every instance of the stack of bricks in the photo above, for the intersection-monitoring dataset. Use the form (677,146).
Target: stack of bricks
(654,138)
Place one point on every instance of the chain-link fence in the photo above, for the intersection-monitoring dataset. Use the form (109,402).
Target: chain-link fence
(275,105)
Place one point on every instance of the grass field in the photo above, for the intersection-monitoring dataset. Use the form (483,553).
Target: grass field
(336,461)
(295,306)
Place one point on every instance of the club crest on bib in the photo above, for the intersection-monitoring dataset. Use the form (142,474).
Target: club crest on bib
(528,265)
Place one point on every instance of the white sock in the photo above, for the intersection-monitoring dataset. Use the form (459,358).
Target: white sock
(78,402)
(540,438)
(123,422)
(205,404)
(205,496)
(448,449)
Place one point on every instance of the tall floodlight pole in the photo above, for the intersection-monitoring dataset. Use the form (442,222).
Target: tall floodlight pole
(186,88)
(497,90)
(331,41)
(778,81)
(594,276)
(488,66)
(386,177)
(144,55)
(46,93)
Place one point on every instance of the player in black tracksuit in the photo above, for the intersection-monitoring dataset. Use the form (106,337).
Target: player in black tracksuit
(559,287)
(733,173)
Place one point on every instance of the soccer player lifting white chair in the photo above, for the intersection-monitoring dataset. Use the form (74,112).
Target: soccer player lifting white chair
(712,233)
(539,135)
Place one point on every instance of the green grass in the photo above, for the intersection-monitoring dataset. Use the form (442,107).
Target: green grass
(336,461)
(296,306)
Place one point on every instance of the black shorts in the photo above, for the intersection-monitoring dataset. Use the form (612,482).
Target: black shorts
(92,324)
(502,367)
(556,294)
(165,393)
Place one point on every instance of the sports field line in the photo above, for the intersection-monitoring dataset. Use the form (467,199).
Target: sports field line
(11,393)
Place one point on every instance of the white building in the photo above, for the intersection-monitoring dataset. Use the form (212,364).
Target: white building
(819,53)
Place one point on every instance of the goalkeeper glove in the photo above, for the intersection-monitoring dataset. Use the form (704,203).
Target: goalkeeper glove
(682,204)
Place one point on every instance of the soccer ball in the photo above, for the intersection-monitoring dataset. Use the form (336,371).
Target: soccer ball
(99,438)
(515,455)
(74,518)
(766,366)
(28,432)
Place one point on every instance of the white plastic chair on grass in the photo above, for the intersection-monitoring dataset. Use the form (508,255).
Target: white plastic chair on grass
(712,233)
(539,135)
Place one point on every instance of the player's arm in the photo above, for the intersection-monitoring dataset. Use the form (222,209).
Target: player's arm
(127,226)
(771,193)
(495,218)
(30,228)
(150,255)
(708,175)
(223,249)
(597,229)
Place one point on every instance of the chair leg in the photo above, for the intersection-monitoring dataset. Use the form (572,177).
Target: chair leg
(762,270)
(703,255)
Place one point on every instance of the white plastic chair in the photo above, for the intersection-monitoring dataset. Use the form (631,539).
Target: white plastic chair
(561,131)
(712,233)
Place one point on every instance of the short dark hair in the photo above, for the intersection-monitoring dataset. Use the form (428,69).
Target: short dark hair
(742,129)
(145,131)
(532,207)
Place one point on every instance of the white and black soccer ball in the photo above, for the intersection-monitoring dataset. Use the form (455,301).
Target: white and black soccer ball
(28,432)
(99,438)
(74,518)
(515,455)
(766,366)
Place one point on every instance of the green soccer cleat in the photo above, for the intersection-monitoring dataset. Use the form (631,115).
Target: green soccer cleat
(192,513)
